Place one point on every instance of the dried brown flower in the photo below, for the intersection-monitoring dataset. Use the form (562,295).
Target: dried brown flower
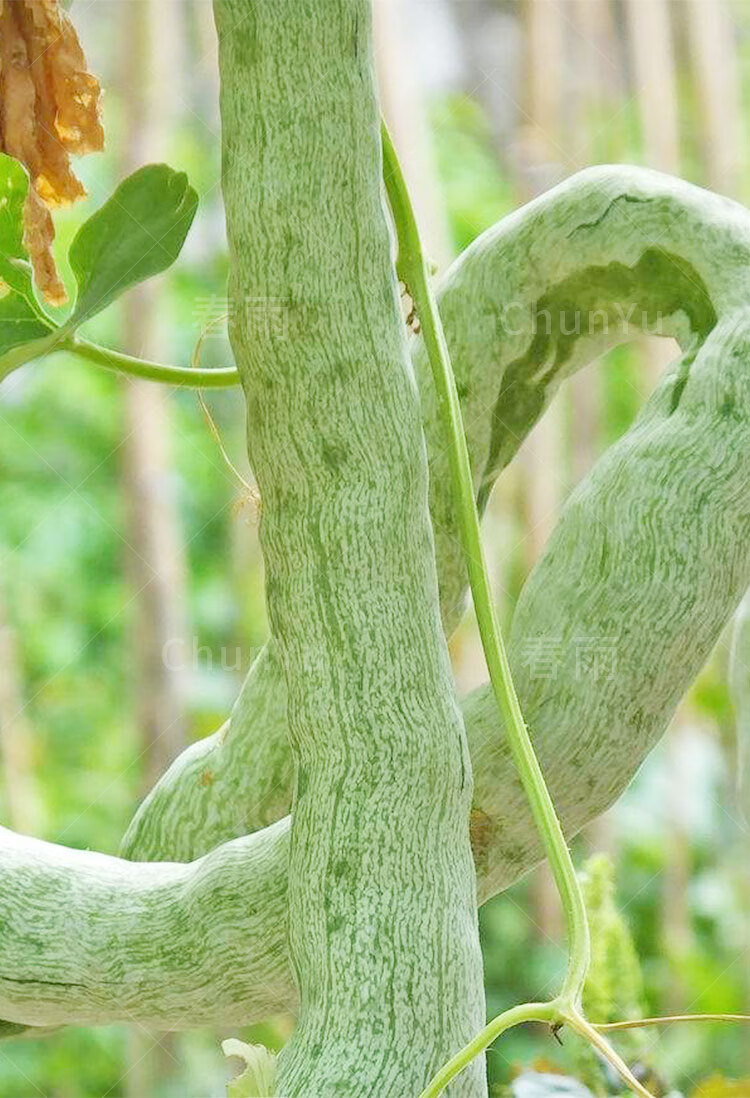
(49,108)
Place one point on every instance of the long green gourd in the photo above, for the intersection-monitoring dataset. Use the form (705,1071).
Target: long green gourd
(627,249)
(88,939)
(379,846)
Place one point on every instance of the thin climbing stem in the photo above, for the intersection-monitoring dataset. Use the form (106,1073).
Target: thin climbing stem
(516,1016)
(412,270)
(251,492)
(556,1013)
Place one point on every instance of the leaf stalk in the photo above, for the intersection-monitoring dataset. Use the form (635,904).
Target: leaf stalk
(65,340)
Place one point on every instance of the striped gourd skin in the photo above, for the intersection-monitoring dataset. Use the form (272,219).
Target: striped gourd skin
(610,251)
(647,564)
(89,939)
(634,588)
(229,784)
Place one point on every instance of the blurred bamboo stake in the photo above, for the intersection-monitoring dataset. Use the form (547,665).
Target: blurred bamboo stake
(653,66)
(652,61)
(598,81)
(542,88)
(595,72)
(22,805)
(152,31)
(403,107)
(716,72)
(714,58)
(157,557)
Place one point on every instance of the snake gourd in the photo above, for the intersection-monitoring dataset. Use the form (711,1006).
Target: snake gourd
(650,558)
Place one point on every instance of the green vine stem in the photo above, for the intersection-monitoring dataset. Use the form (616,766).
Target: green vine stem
(517,1015)
(555,1013)
(412,269)
(60,340)
(565,1009)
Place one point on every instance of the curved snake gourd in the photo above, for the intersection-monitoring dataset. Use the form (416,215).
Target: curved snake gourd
(649,560)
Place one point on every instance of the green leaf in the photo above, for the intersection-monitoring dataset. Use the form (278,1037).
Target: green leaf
(19,323)
(15,268)
(259,1078)
(21,318)
(137,233)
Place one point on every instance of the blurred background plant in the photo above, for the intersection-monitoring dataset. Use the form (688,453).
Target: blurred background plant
(131,588)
